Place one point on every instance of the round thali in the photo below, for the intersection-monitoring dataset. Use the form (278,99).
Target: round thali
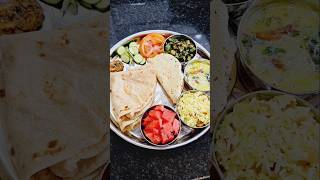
(187,133)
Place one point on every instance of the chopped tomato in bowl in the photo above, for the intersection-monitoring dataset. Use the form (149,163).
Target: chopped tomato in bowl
(160,125)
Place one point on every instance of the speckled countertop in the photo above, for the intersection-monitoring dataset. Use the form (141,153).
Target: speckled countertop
(184,16)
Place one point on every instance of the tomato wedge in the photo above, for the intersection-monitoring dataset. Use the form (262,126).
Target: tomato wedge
(151,45)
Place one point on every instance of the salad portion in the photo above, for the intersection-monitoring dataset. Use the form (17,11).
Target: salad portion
(140,48)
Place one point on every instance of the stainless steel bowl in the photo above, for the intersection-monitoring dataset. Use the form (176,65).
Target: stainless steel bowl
(257,5)
(145,114)
(181,36)
(191,91)
(264,94)
(185,72)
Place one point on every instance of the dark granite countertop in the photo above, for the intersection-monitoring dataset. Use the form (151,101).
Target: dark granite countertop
(184,16)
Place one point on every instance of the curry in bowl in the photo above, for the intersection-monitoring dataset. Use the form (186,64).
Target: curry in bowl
(282,48)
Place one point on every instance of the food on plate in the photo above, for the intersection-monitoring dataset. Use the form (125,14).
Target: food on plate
(160,125)
(130,53)
(136,89)
(197,74)
(58,117)
(283,48)
(269,137)
(116,64)
(182,47)
(72,5)
(194,109)
(169,74)
(151,45)
(132,93)
(17,16)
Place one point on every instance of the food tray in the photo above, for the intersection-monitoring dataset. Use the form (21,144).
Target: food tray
(135,137)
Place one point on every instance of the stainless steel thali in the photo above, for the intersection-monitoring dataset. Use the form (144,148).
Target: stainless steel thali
(187,134)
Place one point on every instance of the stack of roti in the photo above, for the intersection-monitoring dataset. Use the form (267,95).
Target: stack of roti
(132,93)
(56,105)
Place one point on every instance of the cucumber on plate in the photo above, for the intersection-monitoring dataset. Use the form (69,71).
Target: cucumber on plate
(124,54)
(130,54)
(139,59)
(121,50)
(126,58)
(134,48)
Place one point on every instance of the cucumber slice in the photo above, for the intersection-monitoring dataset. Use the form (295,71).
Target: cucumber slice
(138,58)
(91,2)
(102,5)
(134,48)
(143,62)
(126,58)
(121,50)
(52,2)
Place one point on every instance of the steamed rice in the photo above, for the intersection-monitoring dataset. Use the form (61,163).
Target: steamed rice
(274,139)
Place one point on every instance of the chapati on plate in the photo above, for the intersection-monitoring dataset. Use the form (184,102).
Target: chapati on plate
(131,92)
(169,74)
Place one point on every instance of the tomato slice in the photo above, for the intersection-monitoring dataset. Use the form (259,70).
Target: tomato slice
(156,38)
(151,45)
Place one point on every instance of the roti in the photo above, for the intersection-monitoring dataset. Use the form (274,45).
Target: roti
(169,74)
(72,166)
(54,97)
(131,93)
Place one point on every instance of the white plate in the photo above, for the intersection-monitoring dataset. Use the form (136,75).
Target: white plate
(187,134)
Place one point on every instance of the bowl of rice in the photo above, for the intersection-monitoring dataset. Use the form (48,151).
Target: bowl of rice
(193,108)
(267,135)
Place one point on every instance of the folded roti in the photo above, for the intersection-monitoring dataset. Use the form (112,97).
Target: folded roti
(73,166)
(169,74)
(55,84)
(131,93)
(96,175)
(47,174)
(89,166)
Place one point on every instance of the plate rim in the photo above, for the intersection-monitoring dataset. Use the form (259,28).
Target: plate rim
(125,137)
